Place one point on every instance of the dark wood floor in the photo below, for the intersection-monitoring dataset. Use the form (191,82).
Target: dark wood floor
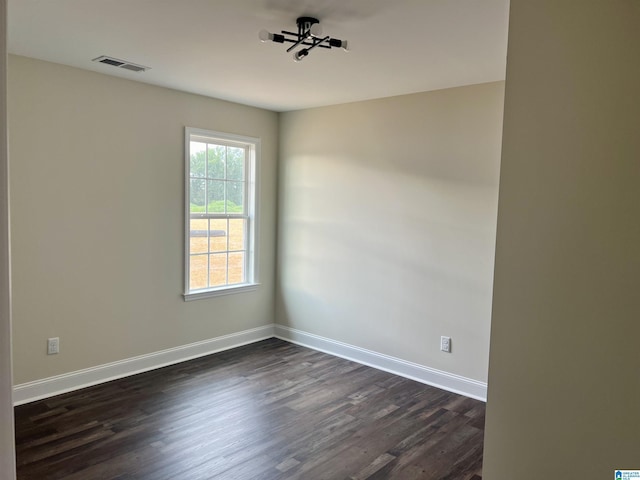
(270,410)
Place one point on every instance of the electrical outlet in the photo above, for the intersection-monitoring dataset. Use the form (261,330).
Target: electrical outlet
(445,344)
(53,346)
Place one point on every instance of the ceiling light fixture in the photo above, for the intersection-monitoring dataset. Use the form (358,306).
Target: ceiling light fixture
(309,36)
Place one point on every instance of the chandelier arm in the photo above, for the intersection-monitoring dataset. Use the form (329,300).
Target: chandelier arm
(305,42)
(301,39)
(317,44)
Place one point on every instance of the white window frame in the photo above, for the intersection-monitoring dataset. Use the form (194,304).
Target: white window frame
(252,161)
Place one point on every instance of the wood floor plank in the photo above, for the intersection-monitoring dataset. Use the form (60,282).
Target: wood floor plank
(271,410)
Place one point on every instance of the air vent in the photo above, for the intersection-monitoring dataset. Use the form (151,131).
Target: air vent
(121,64)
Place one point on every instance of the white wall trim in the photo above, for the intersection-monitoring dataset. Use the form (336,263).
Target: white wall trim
(67,382)
(430,376)
(48,387)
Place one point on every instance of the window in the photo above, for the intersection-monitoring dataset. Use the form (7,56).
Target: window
(220,250)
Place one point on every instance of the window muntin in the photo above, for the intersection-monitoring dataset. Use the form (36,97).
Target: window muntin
(220,211)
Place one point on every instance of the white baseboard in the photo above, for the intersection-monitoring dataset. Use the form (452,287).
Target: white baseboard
(48,387)
(430,376)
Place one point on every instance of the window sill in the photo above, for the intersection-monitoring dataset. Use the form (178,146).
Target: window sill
(218,292)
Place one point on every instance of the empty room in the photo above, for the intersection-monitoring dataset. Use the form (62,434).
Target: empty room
(289,239)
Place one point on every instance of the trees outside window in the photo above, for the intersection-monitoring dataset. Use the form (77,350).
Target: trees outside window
(221,212)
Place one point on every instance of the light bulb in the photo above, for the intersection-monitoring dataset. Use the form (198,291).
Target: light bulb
(337,43)
(316,30)
(265,35)
(299,55)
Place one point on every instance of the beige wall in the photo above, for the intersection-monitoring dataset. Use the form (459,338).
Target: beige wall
(387,224)
(7,455)
(564,376)
(97,182)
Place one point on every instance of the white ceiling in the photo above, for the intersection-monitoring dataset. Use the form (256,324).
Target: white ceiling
(211,47)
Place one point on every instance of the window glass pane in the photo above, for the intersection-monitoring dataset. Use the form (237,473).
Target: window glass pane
(218,270)
(216,161)
(237,234)
(215,196)
(219,248)
(235,163)
(197,195)
(198,272)
(197,151)
(236,267)
(218,235)
(198,236)
(235,197)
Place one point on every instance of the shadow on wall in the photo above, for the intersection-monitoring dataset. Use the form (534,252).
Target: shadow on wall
(368,249)
(387,222)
